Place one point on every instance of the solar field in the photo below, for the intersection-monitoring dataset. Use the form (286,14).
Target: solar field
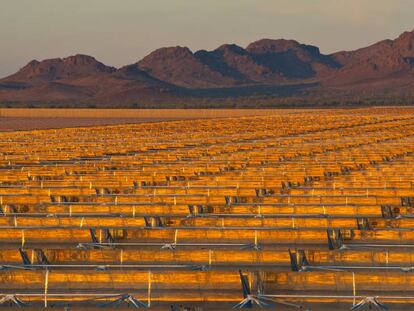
(294,210)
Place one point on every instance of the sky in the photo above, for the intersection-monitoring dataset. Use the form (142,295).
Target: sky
(120,32)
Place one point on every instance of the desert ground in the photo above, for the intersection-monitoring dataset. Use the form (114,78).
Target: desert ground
(32,123)
(309,208)
(30,119)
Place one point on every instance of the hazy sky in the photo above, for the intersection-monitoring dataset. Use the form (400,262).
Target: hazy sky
(119,32)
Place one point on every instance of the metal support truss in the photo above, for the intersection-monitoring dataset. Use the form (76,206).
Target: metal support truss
(108,240)
(363,224)
(13,300)
(298,260)
(25,258)
(335,239)
(125,298)
(41,257)
(369,301)
(248,299)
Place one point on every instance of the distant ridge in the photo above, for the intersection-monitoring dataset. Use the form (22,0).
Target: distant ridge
(266,72)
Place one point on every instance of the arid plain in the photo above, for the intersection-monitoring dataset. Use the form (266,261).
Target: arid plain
(29,119)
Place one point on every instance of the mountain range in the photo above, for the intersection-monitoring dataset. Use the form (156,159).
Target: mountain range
(266,72)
